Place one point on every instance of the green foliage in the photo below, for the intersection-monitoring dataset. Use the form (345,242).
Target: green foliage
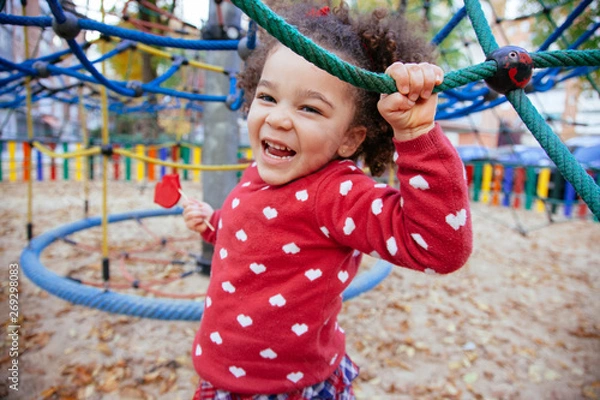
(546,23)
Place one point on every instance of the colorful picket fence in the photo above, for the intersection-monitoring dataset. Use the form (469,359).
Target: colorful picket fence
(17,156)
(504,185)
(542,189)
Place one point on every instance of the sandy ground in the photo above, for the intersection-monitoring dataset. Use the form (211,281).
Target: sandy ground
(520,321)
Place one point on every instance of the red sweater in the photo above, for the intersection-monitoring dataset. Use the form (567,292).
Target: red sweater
(283,256)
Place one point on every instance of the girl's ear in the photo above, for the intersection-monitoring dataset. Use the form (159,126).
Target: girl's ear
(352,141)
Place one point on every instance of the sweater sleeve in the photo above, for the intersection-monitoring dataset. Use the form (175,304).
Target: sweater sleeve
(426,225)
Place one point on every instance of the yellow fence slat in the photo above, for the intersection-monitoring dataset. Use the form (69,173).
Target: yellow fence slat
(486,183)
(542,188)
(79,164)
(139,150)
(12,161)
(196,157)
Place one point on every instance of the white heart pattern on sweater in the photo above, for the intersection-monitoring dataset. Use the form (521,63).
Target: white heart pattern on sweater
(257,268)
(300,329)
(418,182)
(241,235)
(237,371)
(349,226)
(270,213)
(377,206)
(291,248)
(419,239)
(228,287)
(302,195)
(215,337)
(277,301)
(345,187)
(268,353)
(457,220)
(295,376)
(313,274)
(244,320)
(343,276)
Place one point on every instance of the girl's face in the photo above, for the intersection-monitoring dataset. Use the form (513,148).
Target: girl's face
(299,119)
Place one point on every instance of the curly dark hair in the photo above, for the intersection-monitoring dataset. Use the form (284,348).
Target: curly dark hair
(372,42)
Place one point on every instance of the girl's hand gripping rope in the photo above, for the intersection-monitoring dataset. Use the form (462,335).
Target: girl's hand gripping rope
(411,110)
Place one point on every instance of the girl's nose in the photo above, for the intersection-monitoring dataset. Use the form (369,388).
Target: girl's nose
(279,118)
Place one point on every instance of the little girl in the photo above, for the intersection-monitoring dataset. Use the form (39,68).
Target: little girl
(289,237)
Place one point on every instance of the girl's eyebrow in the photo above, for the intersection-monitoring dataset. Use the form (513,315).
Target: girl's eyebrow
(312,94)
(266,83)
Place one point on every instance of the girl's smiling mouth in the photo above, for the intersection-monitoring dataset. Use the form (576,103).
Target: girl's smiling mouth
(277,151)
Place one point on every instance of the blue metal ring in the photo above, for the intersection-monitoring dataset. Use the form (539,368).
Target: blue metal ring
(186,310)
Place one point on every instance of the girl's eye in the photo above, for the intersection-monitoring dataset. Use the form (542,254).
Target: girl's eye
(265,97)
(310,109)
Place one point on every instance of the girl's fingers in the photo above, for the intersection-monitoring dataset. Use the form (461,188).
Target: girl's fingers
(399,72)
(394,102)
(429,79)
(415,80)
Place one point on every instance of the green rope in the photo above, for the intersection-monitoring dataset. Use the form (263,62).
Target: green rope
(382,83)
(566,58)
(558,152)
(482,29)
(289,36)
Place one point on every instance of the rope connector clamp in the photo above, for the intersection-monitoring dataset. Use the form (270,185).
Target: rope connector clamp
(107,150)
(515,67)
(138,91)
(69,29)
(243,49)
(42,69)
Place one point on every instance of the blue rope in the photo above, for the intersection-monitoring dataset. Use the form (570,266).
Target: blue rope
(11,88)
(57,11)
(19,20)
(567,23)
(251,35)
(453,23)
(184,95)
(169,73)
(536,80)
(78,52)
(124,33)
(9,79)
(156,40)
(120,48)
(19,67)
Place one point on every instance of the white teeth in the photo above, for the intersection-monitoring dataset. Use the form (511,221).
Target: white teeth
(278,147)
(275,146)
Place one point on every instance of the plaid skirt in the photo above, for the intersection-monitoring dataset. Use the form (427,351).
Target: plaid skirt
(337,387)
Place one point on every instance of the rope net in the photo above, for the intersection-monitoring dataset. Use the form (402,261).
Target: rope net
(462,92)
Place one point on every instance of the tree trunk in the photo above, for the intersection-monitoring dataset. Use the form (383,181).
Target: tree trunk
(148,123)
(221,130)
(572,92)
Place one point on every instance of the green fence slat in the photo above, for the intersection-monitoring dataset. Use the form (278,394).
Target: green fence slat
(477,178)
(65,147)
(530,187)
(128,164)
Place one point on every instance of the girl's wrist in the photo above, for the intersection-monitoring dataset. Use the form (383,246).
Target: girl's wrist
(413,133)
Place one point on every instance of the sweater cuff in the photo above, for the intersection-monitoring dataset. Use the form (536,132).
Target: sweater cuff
(422,143)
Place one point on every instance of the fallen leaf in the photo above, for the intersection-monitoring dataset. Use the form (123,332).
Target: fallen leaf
(104,349)
(591,391)
(471,377)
